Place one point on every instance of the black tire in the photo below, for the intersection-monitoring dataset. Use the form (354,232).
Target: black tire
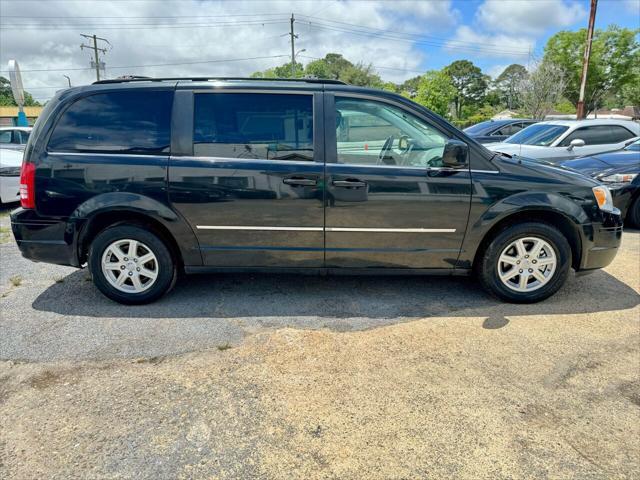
(166,265)
(633,214)
(487,265)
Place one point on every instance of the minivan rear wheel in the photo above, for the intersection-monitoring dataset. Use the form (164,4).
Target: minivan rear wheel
(525,263)
(131,265)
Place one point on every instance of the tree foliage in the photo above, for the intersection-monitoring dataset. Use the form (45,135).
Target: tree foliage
(614,53)
(542,89)
(470,84)
(436,92)
(6,97)
(508,85)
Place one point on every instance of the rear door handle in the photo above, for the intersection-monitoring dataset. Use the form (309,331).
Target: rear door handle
(348,183)
(300,182)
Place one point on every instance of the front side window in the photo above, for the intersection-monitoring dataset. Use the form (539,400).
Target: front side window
(264,126)
(599,135)
(375,133)
(133,121)
(538,134)
(5,137)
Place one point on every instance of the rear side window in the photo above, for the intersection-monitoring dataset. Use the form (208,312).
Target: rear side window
(599,135)
(253,126)
(116,122)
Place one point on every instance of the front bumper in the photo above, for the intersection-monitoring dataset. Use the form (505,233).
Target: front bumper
(601,241)
(44,239)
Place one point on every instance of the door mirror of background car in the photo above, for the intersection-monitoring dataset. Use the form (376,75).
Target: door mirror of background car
(456,154)
(576,142)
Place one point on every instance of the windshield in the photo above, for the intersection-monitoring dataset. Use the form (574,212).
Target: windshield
(541,135)
(635,146)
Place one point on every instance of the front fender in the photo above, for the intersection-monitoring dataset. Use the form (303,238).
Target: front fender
(135,203)
(483,220)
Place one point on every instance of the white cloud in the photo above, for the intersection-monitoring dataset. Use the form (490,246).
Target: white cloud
(634,7)
(470,42)
(528,17)
(57,51)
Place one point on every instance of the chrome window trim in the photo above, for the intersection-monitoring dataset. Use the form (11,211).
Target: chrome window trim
(179,158)
(327,229)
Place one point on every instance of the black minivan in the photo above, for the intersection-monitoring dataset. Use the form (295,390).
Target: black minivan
(142,178)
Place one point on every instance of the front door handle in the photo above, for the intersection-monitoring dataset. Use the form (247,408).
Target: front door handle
(348,183)
(300,182)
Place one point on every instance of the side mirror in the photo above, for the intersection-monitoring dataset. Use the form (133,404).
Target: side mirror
(456,154)
(576,142)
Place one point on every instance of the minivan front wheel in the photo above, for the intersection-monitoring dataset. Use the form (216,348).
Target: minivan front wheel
(526,263)
(131,265)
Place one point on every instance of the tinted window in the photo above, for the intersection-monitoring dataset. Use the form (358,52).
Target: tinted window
(509,130)
(538,134)
(5,137)
(253,126)
(373,133)
(599,135)
(24,137)
(480,128)
(126,122)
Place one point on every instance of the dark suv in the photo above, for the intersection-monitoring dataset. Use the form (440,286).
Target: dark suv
(142,178)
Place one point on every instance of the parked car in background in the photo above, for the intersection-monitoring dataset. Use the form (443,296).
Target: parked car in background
(560,140)
(14,138)
(10,163)
(493,131)
(620,171)
(140,179)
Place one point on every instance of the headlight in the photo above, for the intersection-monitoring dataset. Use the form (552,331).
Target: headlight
(619,178)
(603,197)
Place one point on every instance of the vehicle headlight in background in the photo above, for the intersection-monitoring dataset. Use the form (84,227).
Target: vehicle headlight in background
(619,178)
(9,171)
(603,198)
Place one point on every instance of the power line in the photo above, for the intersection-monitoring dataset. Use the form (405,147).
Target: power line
(140,26)
(154,64)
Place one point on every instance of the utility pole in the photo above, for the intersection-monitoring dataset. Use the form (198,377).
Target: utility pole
(580,114)
(94,47)
(293,48)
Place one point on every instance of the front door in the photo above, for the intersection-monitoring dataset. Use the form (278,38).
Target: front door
(252,187)
(390,202)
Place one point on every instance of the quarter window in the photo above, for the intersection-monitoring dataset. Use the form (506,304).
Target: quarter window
(254,126)
(116,122)
(599,135)
(374,133)
(5,137)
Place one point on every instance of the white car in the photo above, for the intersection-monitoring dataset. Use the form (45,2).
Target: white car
(10,163)
(14,138)
(559,140)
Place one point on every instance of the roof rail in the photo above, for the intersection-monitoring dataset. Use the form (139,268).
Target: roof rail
(127,79)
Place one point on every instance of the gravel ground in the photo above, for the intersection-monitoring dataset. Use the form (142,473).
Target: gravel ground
(242,376)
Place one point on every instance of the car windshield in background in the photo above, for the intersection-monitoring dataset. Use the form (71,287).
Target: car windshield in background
(635,146)
(541,135)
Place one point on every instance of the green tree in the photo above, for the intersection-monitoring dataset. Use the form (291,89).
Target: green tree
(614,53)
(542,90)
(508,83)
(409,88)
(6,97)
(281,71)
(436,92)
(470,84)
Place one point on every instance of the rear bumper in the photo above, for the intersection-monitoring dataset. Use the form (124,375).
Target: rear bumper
(44,239)
(601,242)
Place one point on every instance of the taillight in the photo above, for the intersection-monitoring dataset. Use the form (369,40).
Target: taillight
(27,185)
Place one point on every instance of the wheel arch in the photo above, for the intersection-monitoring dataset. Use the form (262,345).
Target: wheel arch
(557,219)
(119,208)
